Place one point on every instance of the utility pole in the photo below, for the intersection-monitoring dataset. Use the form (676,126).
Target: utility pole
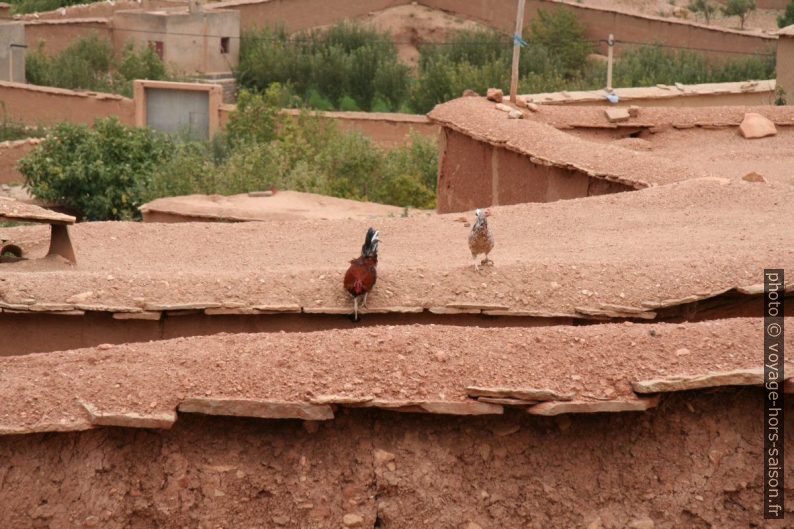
(611,44)
(516,49)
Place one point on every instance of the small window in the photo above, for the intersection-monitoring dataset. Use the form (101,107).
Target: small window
(157,46)
(224,44)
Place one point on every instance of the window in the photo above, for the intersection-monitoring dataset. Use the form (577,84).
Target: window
(225,44)
(157,46)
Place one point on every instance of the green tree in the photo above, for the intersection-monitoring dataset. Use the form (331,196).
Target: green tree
(98,174)
(706,7)
(787,18)
(739,8)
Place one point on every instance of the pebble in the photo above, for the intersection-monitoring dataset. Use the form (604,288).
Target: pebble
(352,520)
(642,523)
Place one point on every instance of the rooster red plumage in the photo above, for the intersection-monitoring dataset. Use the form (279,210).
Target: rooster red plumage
(362,274)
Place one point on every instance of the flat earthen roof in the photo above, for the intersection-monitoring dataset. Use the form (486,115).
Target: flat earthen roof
(629,254)
(563,117)
(545,145)
(660,91)
(283,205)
(429,369)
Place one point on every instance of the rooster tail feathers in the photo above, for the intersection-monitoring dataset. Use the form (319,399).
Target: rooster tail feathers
(370,248)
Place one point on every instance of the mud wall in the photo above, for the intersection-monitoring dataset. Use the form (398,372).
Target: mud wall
(102,9)
(41,105)
(693,462)
(10,154)
(474,174)
(36,333)
(785,66)
(302,14)
(54,36)
(600,22)
(385,129)
(756,98)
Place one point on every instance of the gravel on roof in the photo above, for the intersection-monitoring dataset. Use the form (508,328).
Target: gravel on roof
(388,365)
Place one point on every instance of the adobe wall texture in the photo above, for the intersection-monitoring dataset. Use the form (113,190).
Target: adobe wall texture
(785,66)
(56,35)
(39,105)
(474,174)
(302,14)
(693,462)
(10,154)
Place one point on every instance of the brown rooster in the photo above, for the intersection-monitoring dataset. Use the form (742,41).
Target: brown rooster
(362,274)
(481,238)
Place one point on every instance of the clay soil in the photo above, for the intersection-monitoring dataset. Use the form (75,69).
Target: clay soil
(758,20)
(406,363)
(692,238)
(411,26)
(692,463)
(721,152)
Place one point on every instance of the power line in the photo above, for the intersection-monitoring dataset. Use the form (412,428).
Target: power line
(708,50)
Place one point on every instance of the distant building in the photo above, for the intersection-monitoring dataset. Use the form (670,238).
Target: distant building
(12,52)
(191,41)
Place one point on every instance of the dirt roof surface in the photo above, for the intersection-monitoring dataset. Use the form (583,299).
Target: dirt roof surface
(564,117)
(721,151)
(570,257)
(380,366)
(14,210)
(283,205)
(627,94)
(480,119)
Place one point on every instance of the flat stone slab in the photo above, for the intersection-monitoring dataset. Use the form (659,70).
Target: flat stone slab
(461,408)
(143,315)
(615,115)
(341,399)
(471,407)
(19,211)
(738,377)
(127,419)
(537,394)
(257,408)
(506,401)
(603,406)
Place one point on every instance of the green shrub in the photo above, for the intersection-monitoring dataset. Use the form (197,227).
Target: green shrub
(89,64)
(325,66)
(787,18)
(105,173)
(739,8)
(98,174)
(651,65)
(14,130)
(555,58)
(33,6)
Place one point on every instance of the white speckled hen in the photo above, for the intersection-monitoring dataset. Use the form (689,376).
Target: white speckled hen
(481,238)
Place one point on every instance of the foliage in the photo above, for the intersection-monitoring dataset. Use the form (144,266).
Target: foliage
(13,130)
(780,96)
(89,64)
(106,172)
(739,8)
(38,6)
(706,7)
(555,58)
(99,173)
(787,18)
(346,62)
(651,65)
